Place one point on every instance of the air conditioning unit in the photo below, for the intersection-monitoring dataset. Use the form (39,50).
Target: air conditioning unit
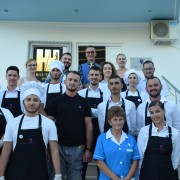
(164,31)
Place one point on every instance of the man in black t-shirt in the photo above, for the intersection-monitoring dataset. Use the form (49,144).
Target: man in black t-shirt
(74,126)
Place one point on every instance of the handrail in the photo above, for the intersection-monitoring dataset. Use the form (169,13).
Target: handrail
(171,85)
(175,89)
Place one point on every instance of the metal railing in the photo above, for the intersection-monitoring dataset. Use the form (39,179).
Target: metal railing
(174,93)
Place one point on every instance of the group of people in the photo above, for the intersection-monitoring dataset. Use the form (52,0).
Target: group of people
(51,130)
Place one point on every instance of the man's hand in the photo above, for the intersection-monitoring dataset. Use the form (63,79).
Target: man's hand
(87,156)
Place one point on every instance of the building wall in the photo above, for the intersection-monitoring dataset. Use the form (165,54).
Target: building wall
(14,37)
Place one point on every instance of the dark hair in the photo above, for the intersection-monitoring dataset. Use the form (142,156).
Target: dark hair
(157,103)
(102,66)
(95,68)
(14,68)
(147,62)
(90,46)
(115,77)
(74,72)
(154,77)
(115,111)
(121,55)
(66,53)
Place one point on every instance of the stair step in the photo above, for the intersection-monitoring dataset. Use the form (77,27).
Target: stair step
(91,172)
(91,177)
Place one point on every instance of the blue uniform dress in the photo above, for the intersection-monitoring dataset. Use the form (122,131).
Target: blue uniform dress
(118,156)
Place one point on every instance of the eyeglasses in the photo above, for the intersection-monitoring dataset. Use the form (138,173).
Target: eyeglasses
(148,69)
(90,52)
(31,65)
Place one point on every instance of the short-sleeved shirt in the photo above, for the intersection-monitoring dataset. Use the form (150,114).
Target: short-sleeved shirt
(118,156)
(49,131)
(70,113)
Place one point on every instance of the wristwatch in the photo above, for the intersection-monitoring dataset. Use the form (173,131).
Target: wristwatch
(88,149)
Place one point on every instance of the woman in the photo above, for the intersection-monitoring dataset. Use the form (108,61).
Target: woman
(132,78)
(31,66)
(159,146)
(121,62)
(116,152)
(106,69)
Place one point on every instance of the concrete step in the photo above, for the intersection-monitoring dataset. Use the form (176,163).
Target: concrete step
(91,173)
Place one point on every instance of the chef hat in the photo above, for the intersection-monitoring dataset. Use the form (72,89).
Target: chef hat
(131,71)
(56,64)
(32,88)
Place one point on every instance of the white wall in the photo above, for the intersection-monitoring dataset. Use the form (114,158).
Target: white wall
(14,37)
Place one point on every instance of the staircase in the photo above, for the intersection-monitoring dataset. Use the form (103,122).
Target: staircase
(91,173)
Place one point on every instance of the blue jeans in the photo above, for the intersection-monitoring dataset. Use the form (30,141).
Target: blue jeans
(71,159)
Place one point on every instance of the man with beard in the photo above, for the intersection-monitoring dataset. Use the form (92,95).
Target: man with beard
(148,71)
(66,58)
(54,88)
(74,126)
(115,86)
(28,136)
(172,112)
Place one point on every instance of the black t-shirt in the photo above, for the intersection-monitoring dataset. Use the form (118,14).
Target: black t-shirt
(69,113)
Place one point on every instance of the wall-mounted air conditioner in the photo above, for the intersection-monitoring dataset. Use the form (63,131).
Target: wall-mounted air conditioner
(164,31)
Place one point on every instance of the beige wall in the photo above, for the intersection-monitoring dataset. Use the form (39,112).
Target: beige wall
(14,37)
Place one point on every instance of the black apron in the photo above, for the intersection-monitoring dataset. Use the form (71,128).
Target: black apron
(157,163)
(13,104)
(135,99)
(50,96)
(2,126)
(107,126)
(28,159)
(94,102)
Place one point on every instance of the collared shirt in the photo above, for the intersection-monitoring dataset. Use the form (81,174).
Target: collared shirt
(130,114)
(172,113)
(142,87)
(144,136)
(118,156)
(11,94)
(91,93)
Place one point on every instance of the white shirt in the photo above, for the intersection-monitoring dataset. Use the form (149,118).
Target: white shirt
(142,87)
(144,136)
(104,86)
(49,130)
(53,88)
(130,114)
(142,94)
(94,94)
(11,94)
(7,114)
(172,114)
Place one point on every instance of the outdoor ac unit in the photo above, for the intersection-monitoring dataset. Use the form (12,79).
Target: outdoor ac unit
(164,31)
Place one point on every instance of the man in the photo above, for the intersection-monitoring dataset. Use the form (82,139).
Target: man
(172,112)
(5,117)
(66,58)
(84,68)
(95,96)
(148,71)
(10,96)
(28,136)
(54,88)
(74,126)
(115,85)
